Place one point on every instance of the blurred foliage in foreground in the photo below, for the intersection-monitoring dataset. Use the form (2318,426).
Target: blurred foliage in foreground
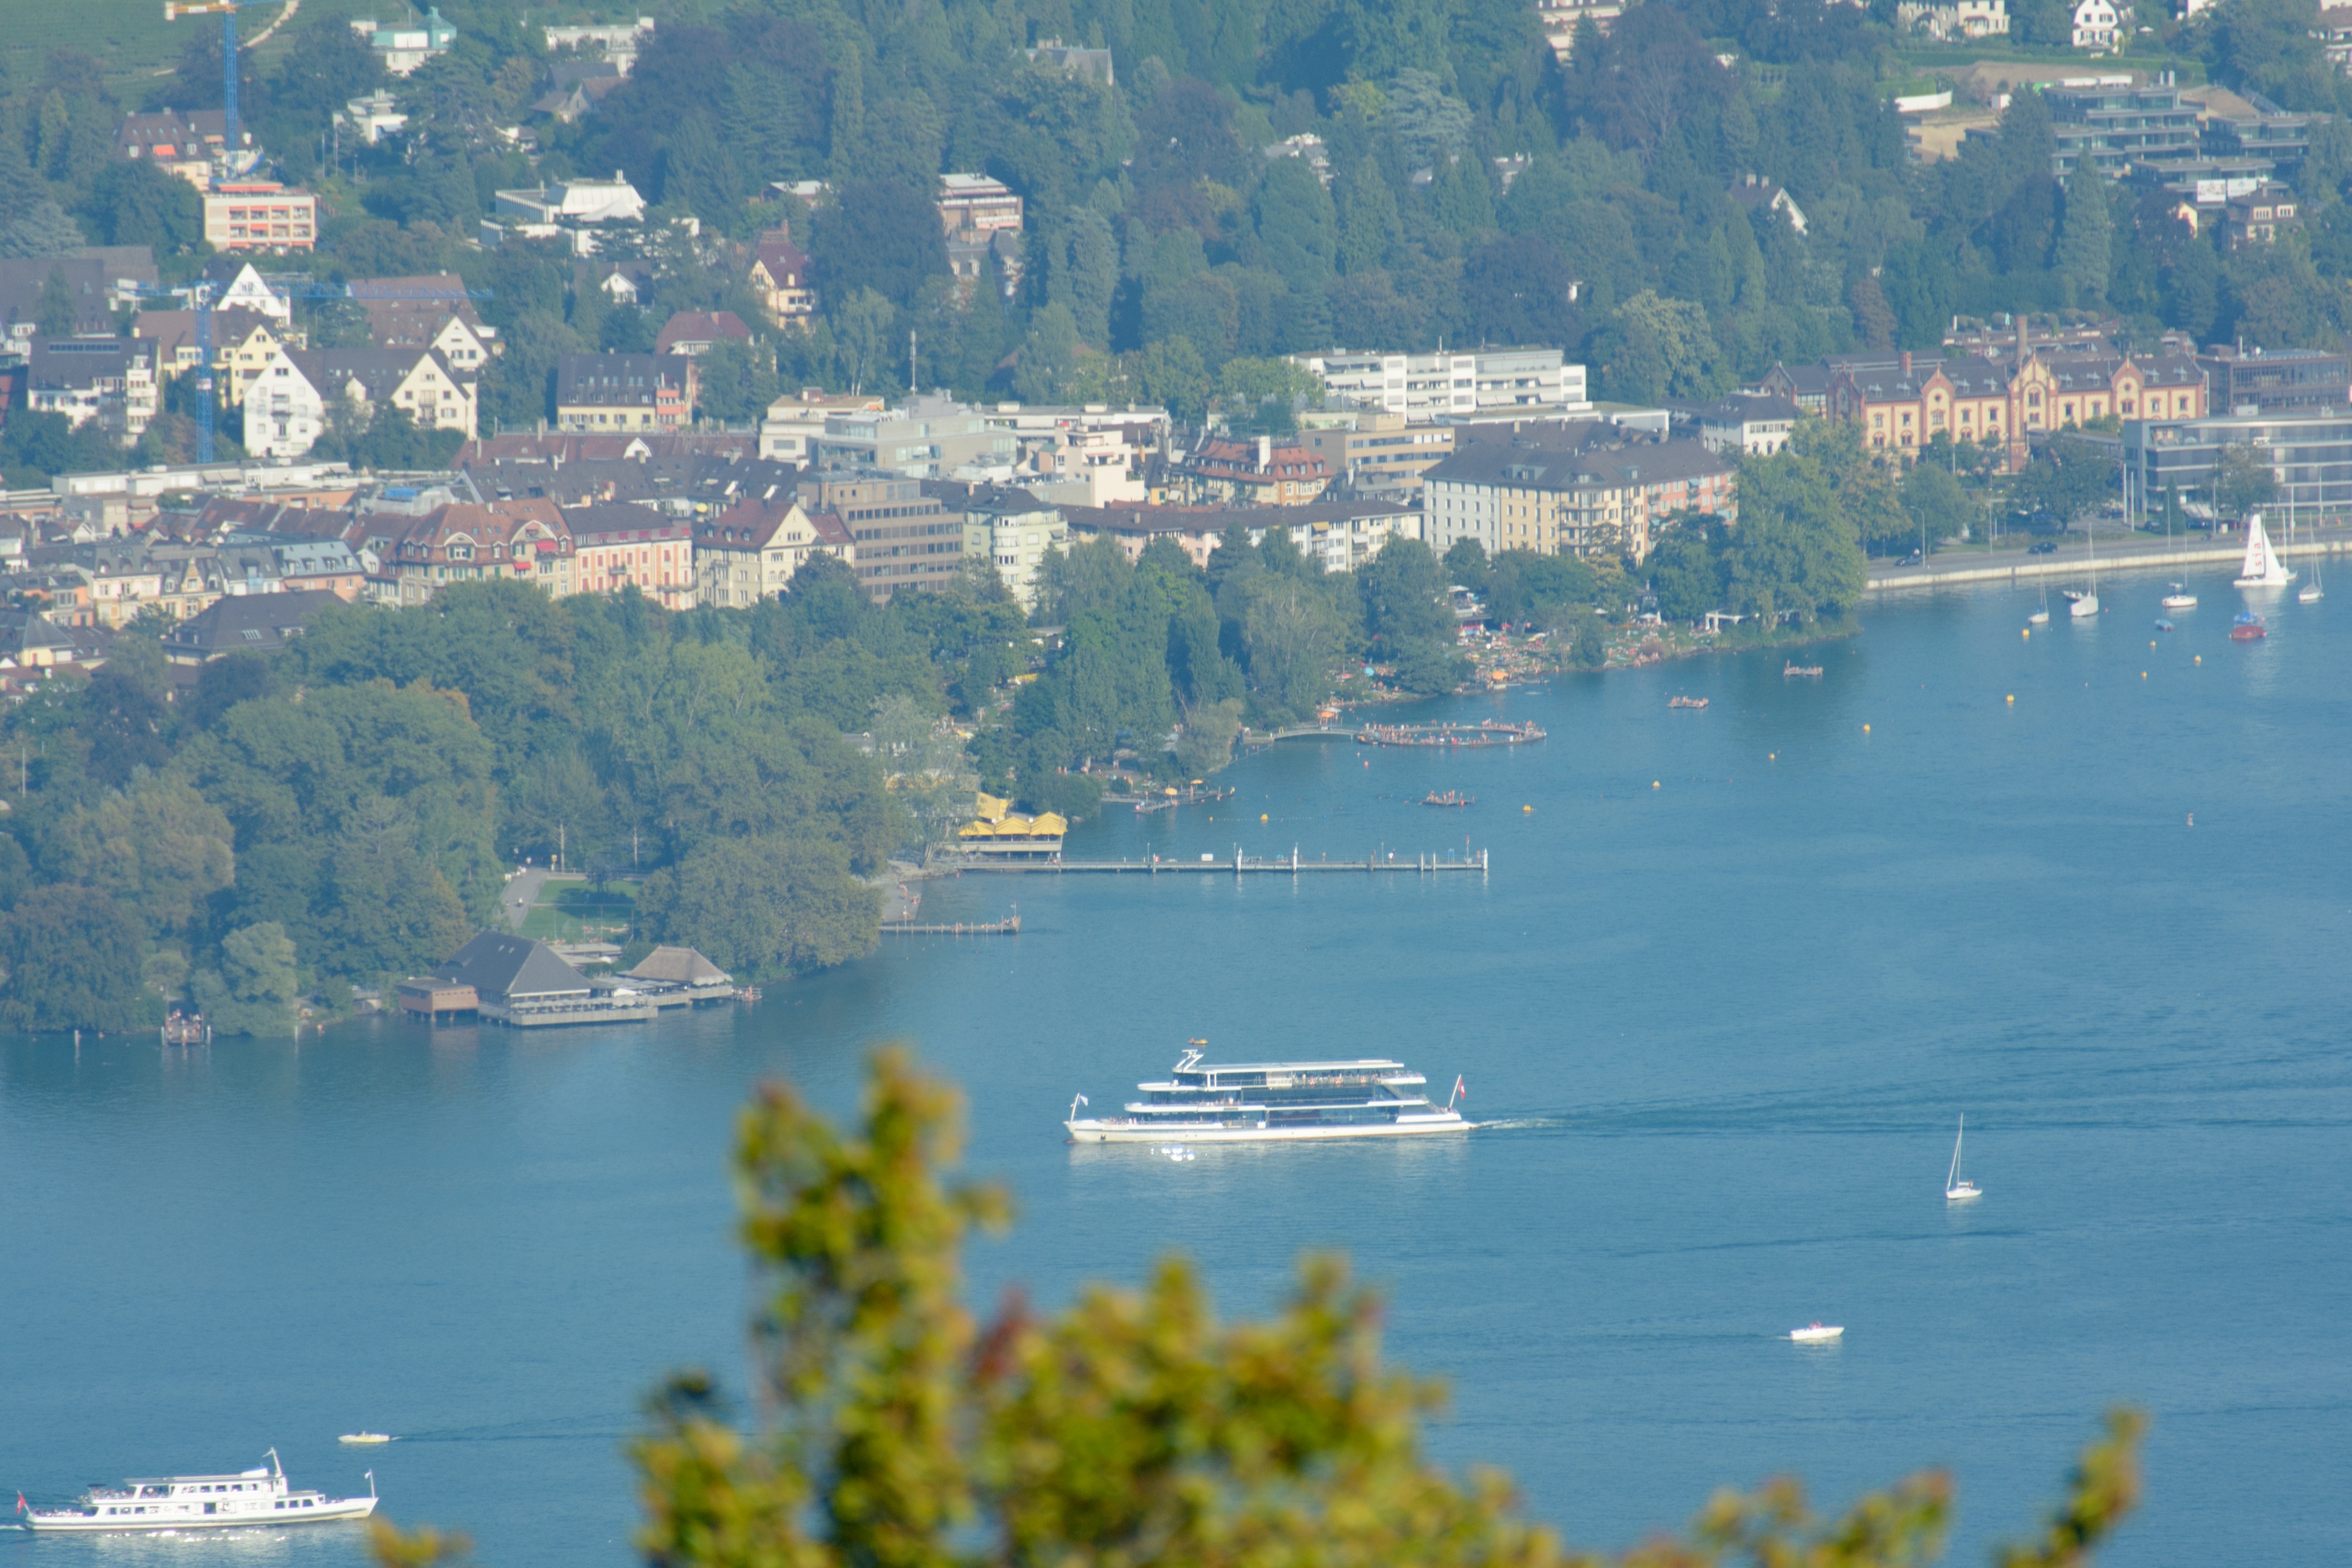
(895,1432)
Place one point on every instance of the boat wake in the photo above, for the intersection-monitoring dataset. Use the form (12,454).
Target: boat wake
(1519,1123)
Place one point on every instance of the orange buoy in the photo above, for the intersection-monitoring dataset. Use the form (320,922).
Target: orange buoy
(2012,699)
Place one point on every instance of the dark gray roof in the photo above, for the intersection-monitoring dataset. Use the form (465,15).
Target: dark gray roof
(1561,457)
(247,623)
(507,969)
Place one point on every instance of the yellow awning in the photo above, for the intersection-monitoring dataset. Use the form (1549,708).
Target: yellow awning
(991,808)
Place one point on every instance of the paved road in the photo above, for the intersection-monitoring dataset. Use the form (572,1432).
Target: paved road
(521,894)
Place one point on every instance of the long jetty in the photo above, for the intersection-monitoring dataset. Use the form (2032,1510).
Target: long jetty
(1239,864)
(2131,555)
(1008,926)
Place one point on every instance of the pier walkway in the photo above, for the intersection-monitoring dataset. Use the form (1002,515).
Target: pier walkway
(2135,553)
(1239,864)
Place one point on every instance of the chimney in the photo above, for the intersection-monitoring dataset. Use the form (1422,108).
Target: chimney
(1265,452)
(1906,362)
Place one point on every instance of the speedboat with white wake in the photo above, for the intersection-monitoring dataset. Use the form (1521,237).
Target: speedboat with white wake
(247,1498)
(1264,1102)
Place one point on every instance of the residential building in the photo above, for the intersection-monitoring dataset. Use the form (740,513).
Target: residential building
(750,550)
(422,549)
(1807,386)
(191,143)
(1092,63)
(2269,132)
(780,277)
(1587,489)
(110,380)
(1006,526)
(1255,471)
(372,118)
(1948,21)
(795,423)
(247,623)
(326,566)
(244,345)
(95,294)
(1560,18)
(2308,452)
(1371,451)
(904,539)
(2098,26)
(932,437)
(693,332)
(1425,388)
(289,404)
(30,642)
(1339,535)
(2259,216)
(2334,31)
(1088,455)
(975,204)
(1307,147)
(260,215)
(1751,426)
(403,48)
(606,394)
(2105,124)
(620,547)
(1758,194)
(2277,381)
(573,208)
(620,43)
(430,312)
(237,285)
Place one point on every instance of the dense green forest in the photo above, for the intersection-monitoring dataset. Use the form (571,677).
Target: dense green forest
(344,812)
(1167,257)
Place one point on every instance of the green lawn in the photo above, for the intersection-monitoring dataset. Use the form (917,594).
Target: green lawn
(570,909)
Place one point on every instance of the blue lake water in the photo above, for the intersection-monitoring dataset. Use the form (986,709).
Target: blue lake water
(1728,985)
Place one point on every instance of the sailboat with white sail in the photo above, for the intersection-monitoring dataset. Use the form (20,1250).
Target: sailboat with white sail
(2086,604)
(2262,568)
(1958,1189)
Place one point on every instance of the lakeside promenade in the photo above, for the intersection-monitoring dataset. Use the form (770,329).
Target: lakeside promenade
(2125,553)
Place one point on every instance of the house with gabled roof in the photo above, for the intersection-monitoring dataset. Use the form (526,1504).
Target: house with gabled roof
(287,403)
(750,551)
(780,277)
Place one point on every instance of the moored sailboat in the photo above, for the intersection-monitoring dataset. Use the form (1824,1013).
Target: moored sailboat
(2262,568)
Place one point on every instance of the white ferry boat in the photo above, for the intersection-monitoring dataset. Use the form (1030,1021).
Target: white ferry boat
(248,1497)
(1254,1102)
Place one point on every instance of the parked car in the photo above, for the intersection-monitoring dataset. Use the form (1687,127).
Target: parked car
(2042,546)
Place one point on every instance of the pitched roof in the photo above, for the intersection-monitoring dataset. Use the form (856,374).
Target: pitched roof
(749,524)
(607,523)
(512,967)
(249,623)
(682,965)
(607,380)
(379,371)
(434,299)
(700,327)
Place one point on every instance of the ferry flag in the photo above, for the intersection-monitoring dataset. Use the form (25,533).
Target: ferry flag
(1458,1090)
(20,1504)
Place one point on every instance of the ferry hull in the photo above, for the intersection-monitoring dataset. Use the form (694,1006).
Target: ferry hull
(1095,1131)
(76,1522)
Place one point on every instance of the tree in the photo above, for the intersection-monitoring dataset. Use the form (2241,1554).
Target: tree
(1466,564)
(156,846)
(1405,610)
(55,315)
(1686,571)
(2082,242)
(70,957)
(2243,482)
(132,202)
(2068,478)
(1297,225)
(1516,290)
(1292,638)
(1935,502)
(1797,552)
(764,907)
(1130,1427)
(878,235)
(1207,741)
(254,990)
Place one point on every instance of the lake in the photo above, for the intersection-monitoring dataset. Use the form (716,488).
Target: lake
(1733,977)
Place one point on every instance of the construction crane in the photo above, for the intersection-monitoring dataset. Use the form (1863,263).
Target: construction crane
(175,9)
(199,296)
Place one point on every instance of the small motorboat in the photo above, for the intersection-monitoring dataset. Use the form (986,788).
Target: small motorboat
(2164,625)
(1816,1333)
(1451,797)
(358,1438)
(2179,598)
(2247,627)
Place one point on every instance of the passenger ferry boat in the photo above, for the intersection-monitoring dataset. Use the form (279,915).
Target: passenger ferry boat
(1254,1102)
(248,1497)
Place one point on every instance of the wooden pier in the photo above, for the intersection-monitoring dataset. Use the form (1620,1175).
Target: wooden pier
(1239,864)
(1485,732)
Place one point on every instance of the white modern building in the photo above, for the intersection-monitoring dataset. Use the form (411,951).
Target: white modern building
(403,48)
(620,43)
(573,207)
(1488,383)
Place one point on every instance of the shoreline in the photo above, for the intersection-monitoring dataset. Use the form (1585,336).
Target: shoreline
(1928,578)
